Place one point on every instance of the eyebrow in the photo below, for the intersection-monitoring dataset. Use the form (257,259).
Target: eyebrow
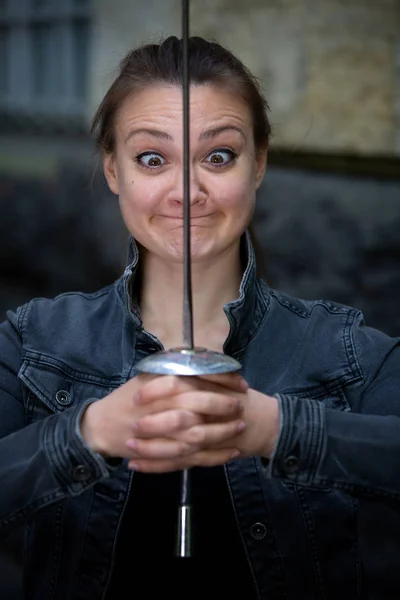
(154,132)
(205,135)
(214,131)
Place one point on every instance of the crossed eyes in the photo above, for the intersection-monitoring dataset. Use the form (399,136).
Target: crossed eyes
(219,157)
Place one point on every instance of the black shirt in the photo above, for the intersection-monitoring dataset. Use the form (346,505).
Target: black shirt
(145,556)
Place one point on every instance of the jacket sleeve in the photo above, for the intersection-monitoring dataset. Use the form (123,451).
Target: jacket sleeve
(45,461)
(356,451)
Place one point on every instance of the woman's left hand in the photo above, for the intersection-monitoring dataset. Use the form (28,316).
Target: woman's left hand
(257,437)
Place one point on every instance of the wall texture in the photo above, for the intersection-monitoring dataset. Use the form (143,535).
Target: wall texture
(330,68)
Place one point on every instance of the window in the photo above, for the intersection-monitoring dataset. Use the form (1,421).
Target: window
(44,57)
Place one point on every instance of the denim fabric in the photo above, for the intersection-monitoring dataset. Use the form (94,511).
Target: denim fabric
(61,505)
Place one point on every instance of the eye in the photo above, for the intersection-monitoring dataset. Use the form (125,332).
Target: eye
(150,160)
(220,157)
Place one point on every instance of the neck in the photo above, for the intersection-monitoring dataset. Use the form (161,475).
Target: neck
(214,284)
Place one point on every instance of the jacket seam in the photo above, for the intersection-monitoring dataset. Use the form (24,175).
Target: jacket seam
(325,304)
(43,500)
(42,359)
(349,343)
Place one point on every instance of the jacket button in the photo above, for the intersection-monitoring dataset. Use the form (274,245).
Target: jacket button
(258,531)
(63,398)
(291,464)
(81,473)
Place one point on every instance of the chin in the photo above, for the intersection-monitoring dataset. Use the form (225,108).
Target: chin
(200,249)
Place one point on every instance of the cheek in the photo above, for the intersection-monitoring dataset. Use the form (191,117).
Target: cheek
(236,192)
(138,195)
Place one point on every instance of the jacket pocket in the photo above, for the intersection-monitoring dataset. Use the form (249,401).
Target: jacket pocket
(51,388)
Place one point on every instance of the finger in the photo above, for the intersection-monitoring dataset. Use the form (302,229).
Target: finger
(213,458)
(146,377)
(199,459)
(165,423)
(136,382)
(170,385)
(163,387)
(212,434)
(233,381)
(220,406)
(160,448)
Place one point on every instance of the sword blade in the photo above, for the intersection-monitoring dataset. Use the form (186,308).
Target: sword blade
(187,325)
(184,548)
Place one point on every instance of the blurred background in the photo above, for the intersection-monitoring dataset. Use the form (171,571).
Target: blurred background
(328,213)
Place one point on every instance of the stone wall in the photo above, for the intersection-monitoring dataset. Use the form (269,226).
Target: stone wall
(330,68)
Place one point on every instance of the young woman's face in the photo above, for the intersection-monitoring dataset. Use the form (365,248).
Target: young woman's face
(146,169)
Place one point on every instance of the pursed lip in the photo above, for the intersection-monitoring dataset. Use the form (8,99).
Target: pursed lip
(180,218)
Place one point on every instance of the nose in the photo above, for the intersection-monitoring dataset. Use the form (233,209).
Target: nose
(195,188)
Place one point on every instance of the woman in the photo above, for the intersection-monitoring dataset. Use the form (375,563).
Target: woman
(91,451)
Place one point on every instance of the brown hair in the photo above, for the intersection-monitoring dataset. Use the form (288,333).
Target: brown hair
(209,63)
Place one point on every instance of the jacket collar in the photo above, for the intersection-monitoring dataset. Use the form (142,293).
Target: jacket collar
(244,314)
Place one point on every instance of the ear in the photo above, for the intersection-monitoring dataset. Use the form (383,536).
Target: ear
(110,172)
(261,166)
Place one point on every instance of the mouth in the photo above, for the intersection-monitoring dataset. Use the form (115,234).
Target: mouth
(180,218)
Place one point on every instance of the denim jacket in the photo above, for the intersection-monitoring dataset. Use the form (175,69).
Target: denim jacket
(61,505)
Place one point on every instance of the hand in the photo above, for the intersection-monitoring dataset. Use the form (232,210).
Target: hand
(207,414)
(200,442)
(261,415)
(108,424)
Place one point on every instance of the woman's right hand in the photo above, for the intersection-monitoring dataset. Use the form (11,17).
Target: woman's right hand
(108,424)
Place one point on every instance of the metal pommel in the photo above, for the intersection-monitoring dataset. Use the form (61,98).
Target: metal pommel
(184,534)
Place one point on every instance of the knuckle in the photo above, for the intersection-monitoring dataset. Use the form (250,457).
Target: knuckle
(138,447)
(183,448)
(197,435)
(236,427)
(145,426)
(234,404)
(182,419)
(175,419)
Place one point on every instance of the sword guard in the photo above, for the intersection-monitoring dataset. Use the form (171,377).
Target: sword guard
(187,361)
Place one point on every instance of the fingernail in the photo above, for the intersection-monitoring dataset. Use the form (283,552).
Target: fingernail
(131,444)
(234,454)
(136,397)
(133,466)
(241,426)
(244,385)
(135,427)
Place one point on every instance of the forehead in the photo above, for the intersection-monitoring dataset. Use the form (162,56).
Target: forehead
(162,105)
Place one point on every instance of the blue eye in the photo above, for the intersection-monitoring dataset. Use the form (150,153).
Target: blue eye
(150,160)
(221,157)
